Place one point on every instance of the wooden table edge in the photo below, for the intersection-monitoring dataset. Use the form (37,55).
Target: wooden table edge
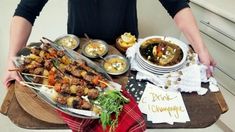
(221,101)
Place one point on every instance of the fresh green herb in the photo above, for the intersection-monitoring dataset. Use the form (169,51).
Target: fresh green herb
(111,102)
(55,63)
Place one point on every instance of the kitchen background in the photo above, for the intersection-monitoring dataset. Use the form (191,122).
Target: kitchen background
(216,20)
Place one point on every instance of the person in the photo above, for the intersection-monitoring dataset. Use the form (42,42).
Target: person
(102,19)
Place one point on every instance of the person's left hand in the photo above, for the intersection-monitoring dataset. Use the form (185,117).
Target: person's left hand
(206,59)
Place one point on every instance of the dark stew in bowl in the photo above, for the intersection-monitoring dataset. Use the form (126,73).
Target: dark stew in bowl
(160,52)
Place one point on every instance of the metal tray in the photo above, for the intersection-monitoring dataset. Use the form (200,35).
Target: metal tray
(43,95)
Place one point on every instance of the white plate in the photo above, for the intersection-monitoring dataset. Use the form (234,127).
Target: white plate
(155,68)
(159,72)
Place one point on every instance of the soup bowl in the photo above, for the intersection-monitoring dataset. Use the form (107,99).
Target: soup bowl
(169,43)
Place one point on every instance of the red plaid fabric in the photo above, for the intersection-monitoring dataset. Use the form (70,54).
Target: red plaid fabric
(130,120)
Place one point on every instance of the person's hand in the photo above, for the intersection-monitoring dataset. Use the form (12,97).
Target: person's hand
(10,75)
(206,59)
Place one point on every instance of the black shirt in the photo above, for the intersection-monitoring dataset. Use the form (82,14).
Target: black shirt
(102,19)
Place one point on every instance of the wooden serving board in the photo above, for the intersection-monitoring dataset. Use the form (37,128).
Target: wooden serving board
(12,109)
(35,106)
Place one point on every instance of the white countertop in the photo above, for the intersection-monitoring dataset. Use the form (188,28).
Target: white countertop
(224,8)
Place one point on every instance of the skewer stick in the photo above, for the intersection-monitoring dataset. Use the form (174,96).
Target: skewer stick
(106,84)
(47,39)
(23,83)
(27,74)
(32,83)
(42,42)
(87,37)
(14,69)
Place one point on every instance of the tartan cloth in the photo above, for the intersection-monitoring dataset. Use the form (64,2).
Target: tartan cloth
(130,120)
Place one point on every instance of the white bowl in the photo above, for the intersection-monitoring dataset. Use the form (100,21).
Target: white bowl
(175,41)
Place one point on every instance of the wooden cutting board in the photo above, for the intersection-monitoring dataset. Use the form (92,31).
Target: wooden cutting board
(36,107)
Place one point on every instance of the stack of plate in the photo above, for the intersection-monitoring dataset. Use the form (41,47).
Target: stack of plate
(157,69)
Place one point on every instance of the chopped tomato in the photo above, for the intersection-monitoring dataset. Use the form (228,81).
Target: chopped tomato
(48,56)
(53,53)
(95,80)
(159,48)
(159,54)
(51,78)
(51,72)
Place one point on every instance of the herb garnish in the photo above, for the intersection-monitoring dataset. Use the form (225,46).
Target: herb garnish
(111,102)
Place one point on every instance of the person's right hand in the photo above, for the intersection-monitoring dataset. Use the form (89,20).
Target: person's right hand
(10,75)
